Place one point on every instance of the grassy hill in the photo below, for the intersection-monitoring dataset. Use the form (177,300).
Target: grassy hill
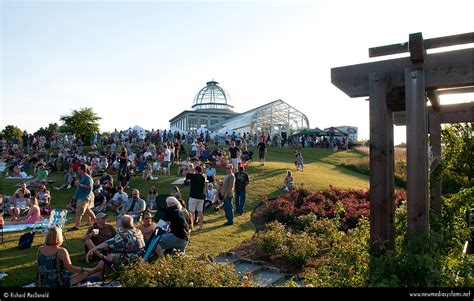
(321,170)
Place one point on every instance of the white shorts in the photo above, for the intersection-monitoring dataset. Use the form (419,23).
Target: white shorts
(235,163)
(195,204)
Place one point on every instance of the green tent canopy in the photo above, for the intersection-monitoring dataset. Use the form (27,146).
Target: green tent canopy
(309,132)
(334,132)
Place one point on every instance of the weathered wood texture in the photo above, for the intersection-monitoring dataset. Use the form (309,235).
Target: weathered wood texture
(453,113)
(417,169)
(382,210)
(442,70)
(459,39)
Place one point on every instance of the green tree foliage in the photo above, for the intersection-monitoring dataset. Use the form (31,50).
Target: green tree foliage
(10,132)
(48,131)
(82,122)
(458,156)
(433,259)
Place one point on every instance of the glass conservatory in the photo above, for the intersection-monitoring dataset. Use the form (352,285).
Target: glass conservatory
(213,110)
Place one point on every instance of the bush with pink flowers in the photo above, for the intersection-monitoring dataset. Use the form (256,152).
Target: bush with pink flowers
(353,204)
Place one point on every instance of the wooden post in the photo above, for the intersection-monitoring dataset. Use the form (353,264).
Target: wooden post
(435,137)
(382,227)
(417,169)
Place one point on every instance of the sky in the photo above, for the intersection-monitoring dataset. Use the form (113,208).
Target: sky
(142,62)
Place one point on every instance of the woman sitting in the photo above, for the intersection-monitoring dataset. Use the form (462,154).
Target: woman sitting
(288,181)
(43,195)
(148,173)
(54,264)
(20,201)
(33,216)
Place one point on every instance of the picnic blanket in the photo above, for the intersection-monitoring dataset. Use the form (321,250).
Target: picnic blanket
(17,178)
(21,227)
(29,183)
(179,181)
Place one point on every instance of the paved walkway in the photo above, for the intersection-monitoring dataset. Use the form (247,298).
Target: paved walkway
(263,275)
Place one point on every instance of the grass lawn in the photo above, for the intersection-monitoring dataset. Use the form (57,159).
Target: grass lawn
(321,170)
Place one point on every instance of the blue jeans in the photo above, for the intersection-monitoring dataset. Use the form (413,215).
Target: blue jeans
(239,201)
(229,213)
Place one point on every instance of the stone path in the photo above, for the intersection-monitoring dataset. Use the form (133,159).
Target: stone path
(262,274)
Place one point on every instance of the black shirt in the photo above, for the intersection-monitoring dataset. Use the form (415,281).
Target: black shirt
(233,152)
(262,146)
(123,158)
(197,186)
(179,222)
(241,180)
(105,179)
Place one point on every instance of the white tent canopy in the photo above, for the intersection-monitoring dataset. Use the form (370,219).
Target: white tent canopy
(141,131)
(221,132)
(175,129)
(202,130)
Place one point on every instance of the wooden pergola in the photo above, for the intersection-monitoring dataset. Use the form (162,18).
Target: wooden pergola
(403,85)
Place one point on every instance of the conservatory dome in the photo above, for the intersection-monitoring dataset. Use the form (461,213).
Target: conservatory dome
(212,97)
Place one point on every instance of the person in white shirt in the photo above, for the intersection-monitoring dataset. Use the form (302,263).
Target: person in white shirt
(211,196)
(118,200)
(166,161)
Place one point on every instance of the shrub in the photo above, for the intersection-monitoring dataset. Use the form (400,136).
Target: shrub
(182,271)
(326,229)
(434,259)
(301,248)
(324,204)
(281,210)
(272,241)
(345,264)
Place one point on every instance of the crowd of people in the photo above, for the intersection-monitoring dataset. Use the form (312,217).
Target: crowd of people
(101,179)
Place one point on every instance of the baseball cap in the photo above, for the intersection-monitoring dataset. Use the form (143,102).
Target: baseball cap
(100,215)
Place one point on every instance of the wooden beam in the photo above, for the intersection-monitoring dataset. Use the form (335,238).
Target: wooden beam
(443,70)
(433,96)
(382,210)
(459,90)
(417,169)
(388,49)
(453,113)
(417,48)
(459,39)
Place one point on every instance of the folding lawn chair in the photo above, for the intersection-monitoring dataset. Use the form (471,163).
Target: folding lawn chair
(57,218)
(161,228)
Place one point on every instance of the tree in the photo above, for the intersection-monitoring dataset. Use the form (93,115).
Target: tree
(458,156)
(11,132)
(82,122)
(48,131)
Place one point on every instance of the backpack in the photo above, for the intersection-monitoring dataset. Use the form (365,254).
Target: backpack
(26,240)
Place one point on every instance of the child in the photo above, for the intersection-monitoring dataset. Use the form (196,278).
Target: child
(210,196)
(151,198)
(219,203)
(299,161)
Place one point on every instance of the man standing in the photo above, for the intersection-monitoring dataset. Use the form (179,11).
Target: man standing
(83,195)
(234,155)
(227,191)
(262,150)
(197,192)
(241,181)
